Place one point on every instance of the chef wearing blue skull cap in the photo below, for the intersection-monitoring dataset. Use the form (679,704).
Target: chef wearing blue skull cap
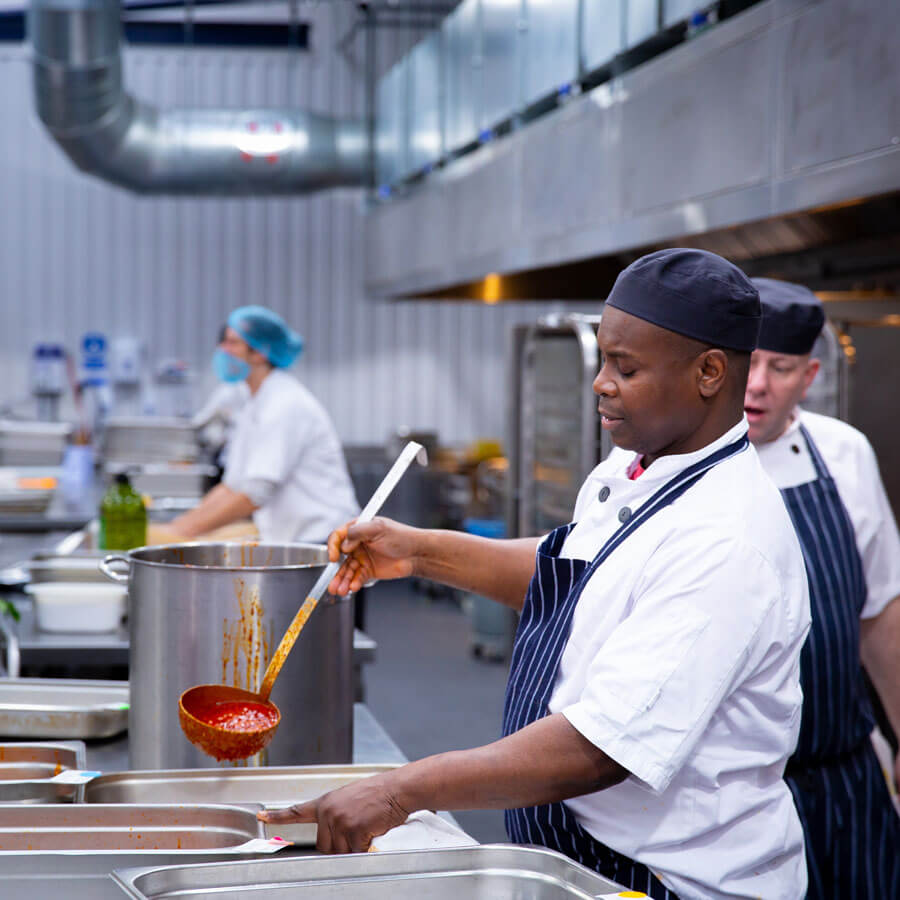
(654,694)
(828,476)
(285,465)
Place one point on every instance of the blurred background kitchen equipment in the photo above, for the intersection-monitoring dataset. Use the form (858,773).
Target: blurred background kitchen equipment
(149,439)
(32,443)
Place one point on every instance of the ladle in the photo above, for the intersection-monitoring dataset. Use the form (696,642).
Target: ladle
(199,707)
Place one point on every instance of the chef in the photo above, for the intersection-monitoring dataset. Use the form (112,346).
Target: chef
(653,697)
(285,466)
(829,479)
(215,419)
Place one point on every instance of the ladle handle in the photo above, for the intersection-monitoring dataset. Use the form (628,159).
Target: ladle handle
(382,492)
(370,510)
(286,645)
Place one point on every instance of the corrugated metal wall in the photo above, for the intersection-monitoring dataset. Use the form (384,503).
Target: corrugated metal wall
(77,254)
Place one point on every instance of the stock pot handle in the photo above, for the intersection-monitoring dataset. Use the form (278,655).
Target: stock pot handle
(107,569)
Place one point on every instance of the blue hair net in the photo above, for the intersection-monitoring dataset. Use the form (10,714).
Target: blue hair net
(268,333)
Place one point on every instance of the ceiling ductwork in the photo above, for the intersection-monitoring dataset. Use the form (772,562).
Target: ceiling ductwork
(106,132)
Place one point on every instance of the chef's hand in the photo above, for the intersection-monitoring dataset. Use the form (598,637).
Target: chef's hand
(381,548)
(348,818)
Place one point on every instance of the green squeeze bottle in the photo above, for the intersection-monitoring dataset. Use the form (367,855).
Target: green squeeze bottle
(123,516)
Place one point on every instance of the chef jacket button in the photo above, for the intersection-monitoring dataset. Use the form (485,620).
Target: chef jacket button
(795,448)
(603,496)
(624,514)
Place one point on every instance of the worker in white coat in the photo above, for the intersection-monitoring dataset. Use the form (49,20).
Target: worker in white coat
(828,476)
(215,420)
(285,465)
(654,690)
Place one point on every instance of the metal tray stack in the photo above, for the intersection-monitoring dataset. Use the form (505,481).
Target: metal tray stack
(27,772)
(70,851)
(491,872)
(62,708)
(271,787)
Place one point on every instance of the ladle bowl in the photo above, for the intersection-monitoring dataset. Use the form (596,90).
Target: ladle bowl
(194,707)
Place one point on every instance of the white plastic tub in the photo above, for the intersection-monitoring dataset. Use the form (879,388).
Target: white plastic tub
(64,606)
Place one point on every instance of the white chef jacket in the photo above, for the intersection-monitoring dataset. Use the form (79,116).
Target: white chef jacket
(284,441)
(852,463)
(216,418)
(683,665)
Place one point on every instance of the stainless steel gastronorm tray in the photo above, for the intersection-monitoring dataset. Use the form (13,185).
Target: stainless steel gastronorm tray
(62,708)
(489,872)
(276,786)
(70,851)
(26,771)
(124,826)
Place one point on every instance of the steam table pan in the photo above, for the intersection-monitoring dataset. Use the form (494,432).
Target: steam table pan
(273,787)
(62,708)
(71,850)
(27,772)
(488,872)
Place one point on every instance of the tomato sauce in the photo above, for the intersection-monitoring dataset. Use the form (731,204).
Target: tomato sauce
(238,715)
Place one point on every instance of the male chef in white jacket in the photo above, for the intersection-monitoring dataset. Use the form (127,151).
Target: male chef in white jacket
(285,465)
(653,696)
(828,476)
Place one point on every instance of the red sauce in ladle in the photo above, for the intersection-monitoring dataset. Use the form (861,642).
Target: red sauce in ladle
(238,715)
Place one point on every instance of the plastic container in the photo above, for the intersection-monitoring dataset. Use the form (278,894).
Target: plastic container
(60,606)
(123,517)
(493,625)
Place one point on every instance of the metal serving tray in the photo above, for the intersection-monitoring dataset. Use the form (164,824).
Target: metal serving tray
(272,787)
(62,708)
(489,872)
(70,851)
(26,771)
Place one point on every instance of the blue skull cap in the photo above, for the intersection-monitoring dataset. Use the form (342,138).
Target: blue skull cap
(268,333)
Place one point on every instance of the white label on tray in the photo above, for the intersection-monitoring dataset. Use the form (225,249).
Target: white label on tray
(75,776)
(264,845)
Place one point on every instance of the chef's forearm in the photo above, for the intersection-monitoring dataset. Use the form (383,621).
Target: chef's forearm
(219,507)
(880,648)
(497,569)
(545,762)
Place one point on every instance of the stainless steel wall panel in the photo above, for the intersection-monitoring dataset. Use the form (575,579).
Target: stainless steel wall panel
(462,74)
(684,115)
(551,46)
(602,31)
(836,64)
(426,131)
(583,139)
(502,41)
(641,20)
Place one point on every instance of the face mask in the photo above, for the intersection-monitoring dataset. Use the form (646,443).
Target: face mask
(228,367)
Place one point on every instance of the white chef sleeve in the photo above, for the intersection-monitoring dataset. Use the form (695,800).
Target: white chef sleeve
(274,455)
(693,631)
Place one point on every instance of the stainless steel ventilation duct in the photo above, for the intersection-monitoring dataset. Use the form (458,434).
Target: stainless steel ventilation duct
(108,133)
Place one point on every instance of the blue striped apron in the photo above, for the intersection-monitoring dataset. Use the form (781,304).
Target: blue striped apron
(852,831)
(541,636)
